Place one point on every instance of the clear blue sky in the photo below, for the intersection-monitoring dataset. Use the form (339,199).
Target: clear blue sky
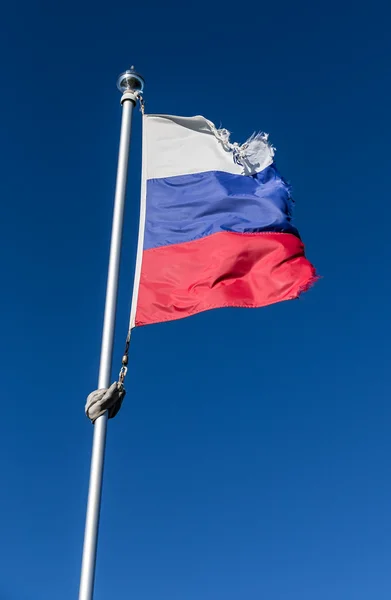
(251,459)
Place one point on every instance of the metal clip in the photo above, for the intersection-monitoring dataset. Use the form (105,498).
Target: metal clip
(142,103)
(122,374)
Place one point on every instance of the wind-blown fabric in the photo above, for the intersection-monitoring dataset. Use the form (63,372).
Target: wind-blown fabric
(215,225)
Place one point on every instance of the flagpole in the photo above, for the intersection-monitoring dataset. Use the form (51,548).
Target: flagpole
(130,84)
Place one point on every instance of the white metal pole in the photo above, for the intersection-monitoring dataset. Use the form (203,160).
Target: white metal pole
(130,84)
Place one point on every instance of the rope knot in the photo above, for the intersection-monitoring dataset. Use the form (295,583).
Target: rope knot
(105,399)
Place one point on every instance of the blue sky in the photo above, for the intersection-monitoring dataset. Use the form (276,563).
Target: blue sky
(251,459)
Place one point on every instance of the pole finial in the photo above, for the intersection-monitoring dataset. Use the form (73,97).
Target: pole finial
(130,81)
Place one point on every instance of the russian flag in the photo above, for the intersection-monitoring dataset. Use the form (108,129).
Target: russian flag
(215,224)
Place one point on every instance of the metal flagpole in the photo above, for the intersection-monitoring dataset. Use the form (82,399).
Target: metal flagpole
(130,84)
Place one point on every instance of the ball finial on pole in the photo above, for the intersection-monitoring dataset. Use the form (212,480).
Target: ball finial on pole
(130,81)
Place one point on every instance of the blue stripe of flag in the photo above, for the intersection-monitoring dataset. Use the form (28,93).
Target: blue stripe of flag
(189,207)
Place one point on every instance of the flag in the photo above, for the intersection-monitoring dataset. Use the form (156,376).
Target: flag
(215,223)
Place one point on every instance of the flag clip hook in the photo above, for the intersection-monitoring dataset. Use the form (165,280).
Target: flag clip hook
(125,360)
